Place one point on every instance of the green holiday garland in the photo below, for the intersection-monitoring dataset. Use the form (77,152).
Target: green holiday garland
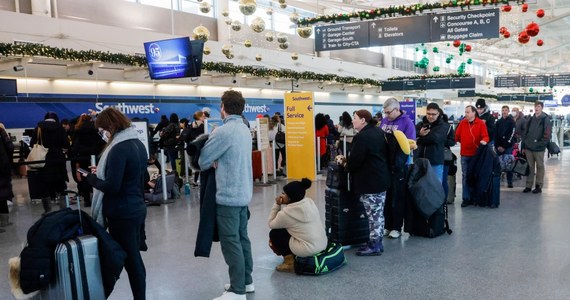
(486,96)
(32,50)
(401,10)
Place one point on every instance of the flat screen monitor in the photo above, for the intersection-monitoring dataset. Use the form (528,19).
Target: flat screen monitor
(197,54)
(8,87)
(173,58)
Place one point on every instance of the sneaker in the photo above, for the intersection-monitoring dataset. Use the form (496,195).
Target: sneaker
(231,296)
(386,232)
(249,288)
(537,190)
(394,234)
(527,190)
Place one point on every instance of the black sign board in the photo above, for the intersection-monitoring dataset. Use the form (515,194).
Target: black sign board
(342,36)
(463,83)
(465,25)
(534,80)
(503,97)
(400,31)
(546,97)
(517,97)
(418,84)
(8,87)
(393,85)
(531,98)
(465,93)
(506,81)
(560,80)
(438,84)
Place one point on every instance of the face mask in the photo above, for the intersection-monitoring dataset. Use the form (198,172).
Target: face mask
(513,113)
(104,135)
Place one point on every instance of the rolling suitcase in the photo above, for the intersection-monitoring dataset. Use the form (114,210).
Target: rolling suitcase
(35,188)
(345,218)
(256,165)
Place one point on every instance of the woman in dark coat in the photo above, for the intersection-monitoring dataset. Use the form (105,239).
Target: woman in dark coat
(6,151)
(367,165)
(53,176)
(86,142)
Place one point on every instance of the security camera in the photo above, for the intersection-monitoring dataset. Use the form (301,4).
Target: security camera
(18,68)
(268,83)
(234,81)
(297,85)
(90,72)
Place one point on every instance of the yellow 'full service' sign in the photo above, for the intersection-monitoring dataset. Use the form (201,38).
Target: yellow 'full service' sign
(300,135)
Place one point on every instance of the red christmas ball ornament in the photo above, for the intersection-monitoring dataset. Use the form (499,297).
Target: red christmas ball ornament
(532,29)
(502,30)
(524,7)
(506,8)
(468,48)
(507,34)
(540,13)
(524,37)
(456,43)
(539,43)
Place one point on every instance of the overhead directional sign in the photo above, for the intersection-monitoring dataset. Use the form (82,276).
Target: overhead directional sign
(535,80)
(507,81)
(465,25)
(465,93)
(399,31)
(342,36)
(560,80)
(428,84)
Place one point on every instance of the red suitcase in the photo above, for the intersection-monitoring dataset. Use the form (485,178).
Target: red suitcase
(256,165)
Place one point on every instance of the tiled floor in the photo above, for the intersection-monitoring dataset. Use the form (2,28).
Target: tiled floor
(519,251)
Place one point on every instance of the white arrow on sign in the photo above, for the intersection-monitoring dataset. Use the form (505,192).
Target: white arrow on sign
(318,31)
(373,25)
(435,19)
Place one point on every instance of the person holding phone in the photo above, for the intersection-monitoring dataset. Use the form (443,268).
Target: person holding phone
(118,198)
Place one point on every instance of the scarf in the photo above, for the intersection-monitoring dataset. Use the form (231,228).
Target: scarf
(97,201)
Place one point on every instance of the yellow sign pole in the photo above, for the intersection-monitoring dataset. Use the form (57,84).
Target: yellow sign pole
(300,135)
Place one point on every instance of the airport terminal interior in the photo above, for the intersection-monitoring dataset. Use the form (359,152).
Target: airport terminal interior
(78,57)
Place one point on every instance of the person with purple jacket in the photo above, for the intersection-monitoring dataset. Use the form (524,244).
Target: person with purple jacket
(394,211)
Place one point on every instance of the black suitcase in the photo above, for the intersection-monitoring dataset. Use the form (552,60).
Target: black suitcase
(336,176)
(35,187)
(436,225)
(345,218)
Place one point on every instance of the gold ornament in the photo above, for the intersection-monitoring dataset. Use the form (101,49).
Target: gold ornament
(294,17)
(284,45)
(258,57)
(269,11)
(283,5)
(305,32)
(226,13)
(282,38)
(236,25)
(226,49)
(247,7)
(207,50)
(257,25)
(282,1)
(201,33)
(247,43)
(269,36)
(228,21)
(294,56)
(205,7)
(230,55)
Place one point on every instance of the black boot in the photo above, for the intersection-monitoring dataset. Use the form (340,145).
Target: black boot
(537,189)
(46,204)
(5,220)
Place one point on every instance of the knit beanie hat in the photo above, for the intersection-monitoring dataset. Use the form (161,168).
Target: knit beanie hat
(480,103)
(295,190)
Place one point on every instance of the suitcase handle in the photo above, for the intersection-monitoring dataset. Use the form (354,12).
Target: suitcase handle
(67,193)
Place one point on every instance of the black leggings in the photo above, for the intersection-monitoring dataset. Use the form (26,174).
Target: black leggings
(283,157)
(279,238)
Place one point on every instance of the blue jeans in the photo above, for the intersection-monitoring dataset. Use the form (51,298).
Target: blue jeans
(438,169)
(465,160)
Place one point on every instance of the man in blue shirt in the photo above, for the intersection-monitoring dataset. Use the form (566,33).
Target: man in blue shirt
(228,149)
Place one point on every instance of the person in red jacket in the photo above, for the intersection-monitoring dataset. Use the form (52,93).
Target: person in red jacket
(322,130)
(471,133)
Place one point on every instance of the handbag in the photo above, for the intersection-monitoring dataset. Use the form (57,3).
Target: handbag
(38,153)
(280,135)
(521,167)
(447,154)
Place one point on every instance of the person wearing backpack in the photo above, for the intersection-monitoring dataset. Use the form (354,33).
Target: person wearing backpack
(277,134)
(535,140)
(169,138)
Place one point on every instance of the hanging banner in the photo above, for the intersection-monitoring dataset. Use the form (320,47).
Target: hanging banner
(300,135)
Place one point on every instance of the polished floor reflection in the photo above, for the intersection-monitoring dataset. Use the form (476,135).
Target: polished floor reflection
(519,251)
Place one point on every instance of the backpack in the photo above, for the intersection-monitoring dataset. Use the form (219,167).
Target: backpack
(279,135)
(326,261)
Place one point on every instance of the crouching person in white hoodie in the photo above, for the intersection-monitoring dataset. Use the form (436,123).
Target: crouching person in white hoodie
(296,228)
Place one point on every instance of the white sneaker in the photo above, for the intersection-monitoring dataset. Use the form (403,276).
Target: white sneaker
(395,234)
(231,296)
(386,232)
(249,288)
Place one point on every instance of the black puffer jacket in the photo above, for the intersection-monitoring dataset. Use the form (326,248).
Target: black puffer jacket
(37,258)
(54,173)
(431,145)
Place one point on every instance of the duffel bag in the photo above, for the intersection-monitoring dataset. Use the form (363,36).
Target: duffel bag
(328,260)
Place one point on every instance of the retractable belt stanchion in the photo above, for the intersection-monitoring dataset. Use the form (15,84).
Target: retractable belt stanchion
(318,154)
(186,170)
(344,146)
(163,175)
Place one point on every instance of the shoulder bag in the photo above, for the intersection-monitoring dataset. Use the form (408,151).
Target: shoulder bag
(280,135)
(38,152)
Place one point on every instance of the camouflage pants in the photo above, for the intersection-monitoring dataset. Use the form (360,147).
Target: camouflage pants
(374,206)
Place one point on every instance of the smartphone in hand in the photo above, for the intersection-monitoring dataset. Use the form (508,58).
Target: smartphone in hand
(83,171)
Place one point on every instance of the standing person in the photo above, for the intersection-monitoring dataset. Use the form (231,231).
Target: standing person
(396,119)
(371,178)
(536,138)
(228,149)
(6,193)
(520,124)
(279,148)
(322,131)
(484,114)
(161,125)
(432,137)
(346,129)
(505,138)
(119,196)
(470,133)
(53,176)
(86,142)
(449,158)
(196,129)
(169,137)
